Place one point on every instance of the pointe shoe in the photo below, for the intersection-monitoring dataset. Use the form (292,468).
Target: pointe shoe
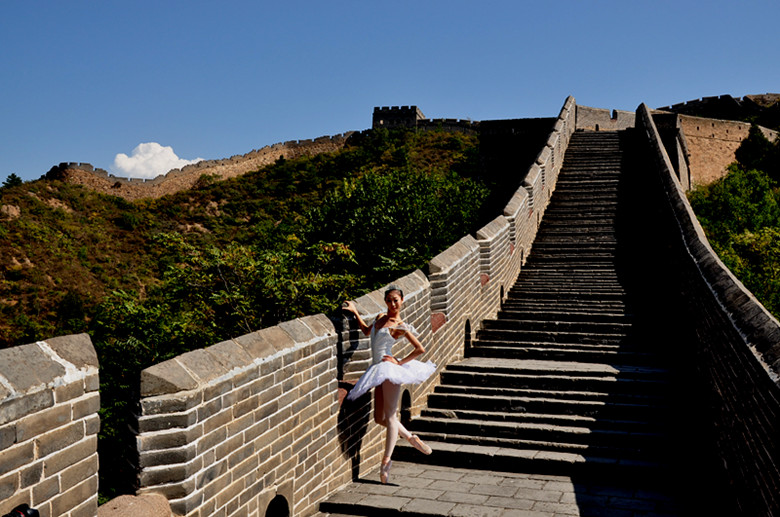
(420,445)
(384,472)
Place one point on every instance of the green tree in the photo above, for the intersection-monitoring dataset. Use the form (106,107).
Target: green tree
(396,221)
(743,200)
(12,180)
(756,152)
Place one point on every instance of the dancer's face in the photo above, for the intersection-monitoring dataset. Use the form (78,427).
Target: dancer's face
(394,301)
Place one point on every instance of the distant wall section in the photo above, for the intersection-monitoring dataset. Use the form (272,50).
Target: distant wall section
(182,179)
(712,145)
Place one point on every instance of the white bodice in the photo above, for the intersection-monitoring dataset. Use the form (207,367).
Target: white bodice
(382,341)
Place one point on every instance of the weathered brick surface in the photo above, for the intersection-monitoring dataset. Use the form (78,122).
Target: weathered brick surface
(48,421)
(736,350)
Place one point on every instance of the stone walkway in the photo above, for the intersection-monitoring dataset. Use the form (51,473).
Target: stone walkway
(431,490)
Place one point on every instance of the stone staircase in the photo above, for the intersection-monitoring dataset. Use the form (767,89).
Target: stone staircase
(560,382)
(572,378)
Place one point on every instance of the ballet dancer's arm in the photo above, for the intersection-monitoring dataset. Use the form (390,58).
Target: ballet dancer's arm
(350,307)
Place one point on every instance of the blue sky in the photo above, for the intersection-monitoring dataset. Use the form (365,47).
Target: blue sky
(86,81)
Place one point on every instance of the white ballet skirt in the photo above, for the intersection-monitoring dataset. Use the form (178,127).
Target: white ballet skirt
(413,372)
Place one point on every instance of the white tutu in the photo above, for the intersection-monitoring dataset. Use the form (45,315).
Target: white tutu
(413,372)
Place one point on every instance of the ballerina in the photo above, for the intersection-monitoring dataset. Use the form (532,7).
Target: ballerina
(387,373)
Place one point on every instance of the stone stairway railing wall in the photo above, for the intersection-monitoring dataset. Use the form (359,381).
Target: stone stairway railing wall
(48,427)
(737,350)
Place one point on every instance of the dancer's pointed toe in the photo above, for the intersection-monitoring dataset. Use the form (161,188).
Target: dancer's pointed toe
(420,445)
(384,472)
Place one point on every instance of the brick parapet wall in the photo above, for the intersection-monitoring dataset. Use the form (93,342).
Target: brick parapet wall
(49,402)
(737,351)
(229,427)
(599,119)
(185,178)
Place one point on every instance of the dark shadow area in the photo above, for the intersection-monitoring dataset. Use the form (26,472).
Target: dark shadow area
(684,476)
(353,419)
(278,507)
(354,415)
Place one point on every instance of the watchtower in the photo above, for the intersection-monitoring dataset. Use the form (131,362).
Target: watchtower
(403,116)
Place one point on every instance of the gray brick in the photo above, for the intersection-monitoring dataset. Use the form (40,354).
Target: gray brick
(18,407)
(256,345)
(59,439)
(9,484)
(80,471)
(16,456)
(87,405)
(168,456)
(171,403)
(161,422)
(70,456)
(7,436)
(74,497)
(31,474)
(69,391)
(46,490)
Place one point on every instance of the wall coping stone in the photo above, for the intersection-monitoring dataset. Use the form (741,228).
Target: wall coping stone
(493,228)
(544,155)
(77,349)
(452,256)
(516,202)
(166,377)
(206,366)
(534,171)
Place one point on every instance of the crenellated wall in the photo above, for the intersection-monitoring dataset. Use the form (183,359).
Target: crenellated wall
(48,427)
(736,343)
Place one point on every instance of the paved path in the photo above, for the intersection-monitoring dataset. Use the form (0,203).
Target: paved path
(432,490)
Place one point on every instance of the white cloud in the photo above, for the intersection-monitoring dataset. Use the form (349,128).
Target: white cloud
(148,160)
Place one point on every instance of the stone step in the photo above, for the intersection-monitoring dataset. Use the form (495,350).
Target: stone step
(561,352)
(551,325)
(574,368)
(557,383)
(517,302)
(638,425)
(506,400)
(544,436)
(582,292)
(507,312)
(550,336)
(510,458)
